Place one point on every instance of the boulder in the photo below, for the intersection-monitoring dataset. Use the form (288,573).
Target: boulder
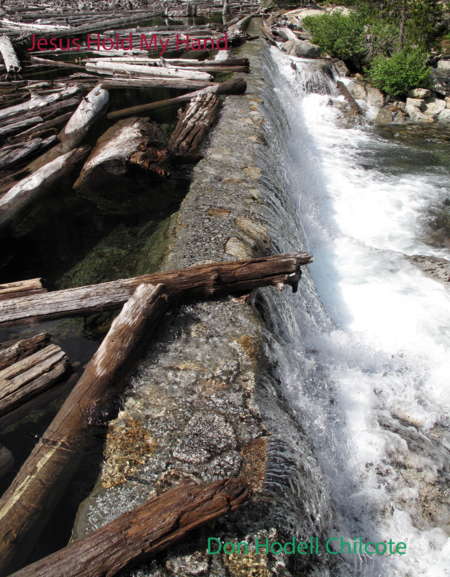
(444,116)
(341,68)
(418,102)
(374,96)
(447,102)
(301,49)
(357,90)
(400,105)
(383,117)
(434,106)
(440,81)
(416,115)
(419,93)
(444,64)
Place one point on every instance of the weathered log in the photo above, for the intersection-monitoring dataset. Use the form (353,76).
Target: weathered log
(37,102)
(112,68)
(179,62)
(9,55)
(191,283)
(144,531)
(6,461)
(28,503)
(22,288)
(15,127)
(194,124)
(182,84)
(32,27)
(56,63)
(46,112)
(237,86)
(45,125)
(346,94)
(10,155)
(31,376)
(26,191)
(12,352)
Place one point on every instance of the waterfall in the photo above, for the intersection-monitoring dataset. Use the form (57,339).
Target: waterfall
(362,350)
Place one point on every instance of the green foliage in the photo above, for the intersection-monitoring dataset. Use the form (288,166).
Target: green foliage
(401,72)
(338,35)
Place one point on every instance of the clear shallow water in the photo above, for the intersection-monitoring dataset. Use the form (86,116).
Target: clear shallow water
(364,349)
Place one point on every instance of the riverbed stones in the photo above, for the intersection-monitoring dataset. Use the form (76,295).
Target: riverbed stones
(434,106)
(443,64)
(357,90)
(420,93)
(374,96)
(417,102)
(341,67)
(383,117)
(440,81)
(444,116)
(301,49)
(416,115)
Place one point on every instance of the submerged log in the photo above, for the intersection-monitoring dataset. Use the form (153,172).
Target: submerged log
(11,353)
(198,282)
(31,376)
(238,86)
(144,531)
(28,189)
(6,461)
(112,68)
(194,124)
(9,55)
(122,172)
(28,503)
(22,288)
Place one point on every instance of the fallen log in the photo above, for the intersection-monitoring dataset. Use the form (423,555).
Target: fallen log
(194,124)
(12,352)
(6,461)
(32,27)
(15,127)
(28,189)
(11,155)
(238,86)
(28,503)
(22,288)
(9,56)
(36,102)
(198,282)
(144,531)
(123,170)
(180,83)
(56,63)
(347,95)
(179,62)
(31,376)
(45,125)
(112,68)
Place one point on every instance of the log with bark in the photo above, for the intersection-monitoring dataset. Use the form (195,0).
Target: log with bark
(14,154)
(133,70)
(12,352)
(122,174)
(21,288)
(9,56)
(208,280)
(238,86)
(32,376)
(144,531)
(28,189)
(6,461)
(194,124)
(28,503)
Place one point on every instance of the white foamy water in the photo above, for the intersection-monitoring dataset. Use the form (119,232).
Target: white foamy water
(372,388)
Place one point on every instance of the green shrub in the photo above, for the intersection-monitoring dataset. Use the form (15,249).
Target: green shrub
(338,35)
(401,72)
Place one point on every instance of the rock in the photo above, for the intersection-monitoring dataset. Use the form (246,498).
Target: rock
(357,90)
(444,116)
(301,49)
(399,105)
(444,64)
(434,267)
(447,102)
(383,117)
(419,93)
(434,106)
(374,96)
(399,117)
(341,67)
(418,102)
(416,115)
(440,81)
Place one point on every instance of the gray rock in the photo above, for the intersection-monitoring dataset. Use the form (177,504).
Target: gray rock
(374,96)
(416,115)
(447,102)
(444,116)
(341,67)
(383,117)
(440,81)
(419,93)
(434,106)
(434,267)
(444,64)
(301,49)
(357,90)
(418,102)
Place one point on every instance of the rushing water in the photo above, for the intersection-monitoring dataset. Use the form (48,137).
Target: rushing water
(363,349)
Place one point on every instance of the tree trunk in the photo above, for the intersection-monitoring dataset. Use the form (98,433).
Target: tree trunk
(23,288)
(195,123)
(28,189)
(28,503)
(237,86)
(12,352)
(198,282)
(31,376)
(9,55)
(44,125)
(144,531)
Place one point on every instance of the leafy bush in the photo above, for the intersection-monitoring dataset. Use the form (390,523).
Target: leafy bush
(341,36)
(401,72)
